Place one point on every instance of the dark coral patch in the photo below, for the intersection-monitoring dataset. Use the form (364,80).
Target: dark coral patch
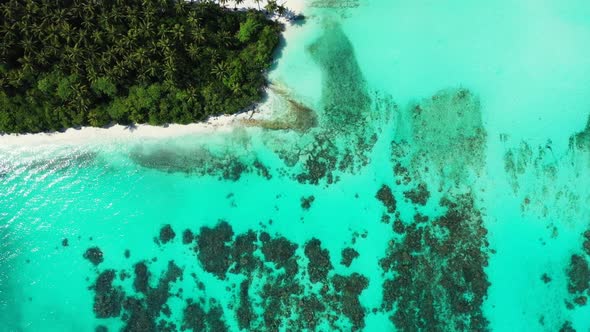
(194,317)
(107,300)
(143,312)
(140,283)
(445,257)
(306,202)
(215,321)
(242,253)
(213,248)
(319,260)
(167,234)
(261,169)
(567,327)
(279,284)
(312,309)
(578,275)
(187,236)
(348,290)
(279,250)
(244,313)
(139,317)
(398,226)
(418,195)
(348,255)
(386,197)
(94,255)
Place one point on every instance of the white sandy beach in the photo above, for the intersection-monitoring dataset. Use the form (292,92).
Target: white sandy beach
(117,132)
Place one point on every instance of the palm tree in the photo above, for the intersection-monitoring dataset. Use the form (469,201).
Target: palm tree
(192,20)
(193,51)
(169,70)
(177,32)
(220,70)
(140,55)
(97,37)
(235,87)
(271,7)
(87,23)
(27,63)
(27,44)
(180,7)
(199,34)
(225,38)
(89,9)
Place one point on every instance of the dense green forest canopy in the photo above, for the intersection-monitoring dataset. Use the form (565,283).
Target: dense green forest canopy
(70,63)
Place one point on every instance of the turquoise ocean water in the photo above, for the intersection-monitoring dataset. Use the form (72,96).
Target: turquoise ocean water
(441,184)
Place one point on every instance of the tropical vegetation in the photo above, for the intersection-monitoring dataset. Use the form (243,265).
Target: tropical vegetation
(71,63)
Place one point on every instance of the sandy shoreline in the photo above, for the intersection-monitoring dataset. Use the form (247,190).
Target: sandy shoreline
(223,123)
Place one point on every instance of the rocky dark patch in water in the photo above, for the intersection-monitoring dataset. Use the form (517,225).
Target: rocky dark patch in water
(140,283)
(320,163)
(279,251)
(306,202)
(401,173)
(233,170)
(586,243)
(445,257)
(107,299)
(197,319)
(578,275)
(244,312)
(101,328)
(581,140)
(140,313)
(418,195)
(187,236)
(261,169)
(348,255)
(138,318)
(567,327)
(275,287)
(312,310)
(213,248)
(386,197)
(398,226)
(347,291)
(319,261)
(215,321)
(243,253)
(64,242)
(94,255)
(166,234)
(194,317)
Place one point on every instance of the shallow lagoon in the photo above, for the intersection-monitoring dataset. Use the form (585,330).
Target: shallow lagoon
(456,184)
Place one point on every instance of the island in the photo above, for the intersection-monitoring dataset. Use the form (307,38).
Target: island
(68,64)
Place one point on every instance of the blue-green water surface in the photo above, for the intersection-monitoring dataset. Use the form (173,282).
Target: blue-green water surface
(443,186)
